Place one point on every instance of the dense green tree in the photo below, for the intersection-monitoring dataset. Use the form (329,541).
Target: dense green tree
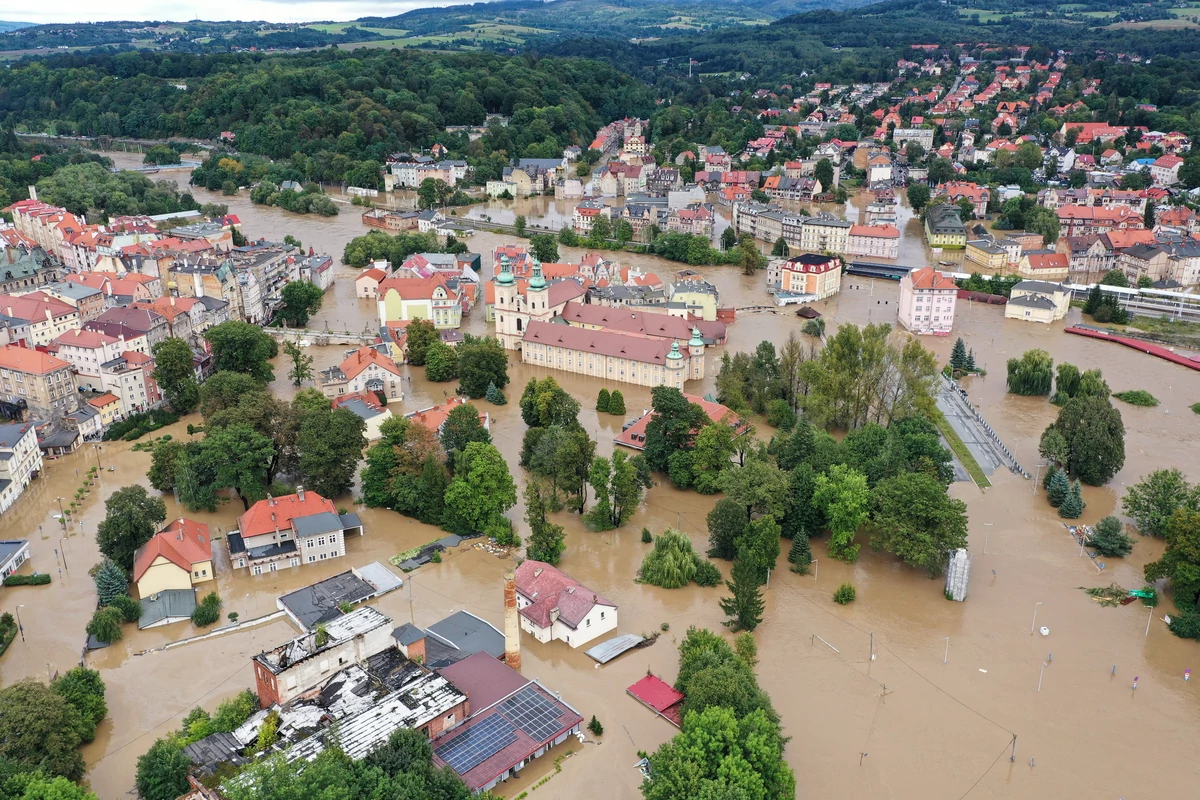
(759,546)
(711,455)
(131,518)
(39,788)
(918,196)
(226,390)
(330,444)
(744,606)
(1095,437)
(41,730)
(617,485)
(780,248)
(726,524)
(482,361)
(958,355)
(844,499)
(462,426)
(175,373)
(823,174)
(482,489)
(110,581)
(616,403)
(1152,501)
(162,771)
(301,299)
(728,238)
(1031,374)
(420,335)
(544,248)
(84,689)
(602,400)
(1072,507)
(519,225)
(544,403)
(671,427)
(301,370)
(241,457)
(441,362)
(1180,561)
(1059,489)
(1109,538)
(759,486)
(105,625)
(131,610)
(547,541)
(913,518)
(241,347)
(800,554)
(405,471)
(672,563)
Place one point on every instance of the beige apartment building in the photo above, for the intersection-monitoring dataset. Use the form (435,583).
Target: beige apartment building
(44,382)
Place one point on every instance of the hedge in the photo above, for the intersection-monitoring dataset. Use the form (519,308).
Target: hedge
(38,579)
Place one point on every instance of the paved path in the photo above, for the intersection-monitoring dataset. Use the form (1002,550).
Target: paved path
(961,416)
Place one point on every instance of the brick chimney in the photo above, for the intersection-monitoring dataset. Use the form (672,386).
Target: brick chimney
(512,626)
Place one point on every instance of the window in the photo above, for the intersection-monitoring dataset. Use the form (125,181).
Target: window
(256,569)
(589,623)
(311,559)
(320,541)
(601,615)
(274,566)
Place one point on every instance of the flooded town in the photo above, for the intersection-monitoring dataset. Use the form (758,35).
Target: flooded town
(1028,688)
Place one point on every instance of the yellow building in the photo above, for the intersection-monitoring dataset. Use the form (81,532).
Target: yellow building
(178,557)
(1038,301)
(944,227)
(699,296)
(986,254)
(1050,267)
(108,406)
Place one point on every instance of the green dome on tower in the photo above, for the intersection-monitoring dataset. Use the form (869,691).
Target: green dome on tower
(537,281)
(675,355)
(696,341)
(505,278)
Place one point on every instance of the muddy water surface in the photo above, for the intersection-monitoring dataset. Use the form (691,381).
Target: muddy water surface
(928,728)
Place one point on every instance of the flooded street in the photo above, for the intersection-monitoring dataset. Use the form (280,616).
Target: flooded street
(927,729)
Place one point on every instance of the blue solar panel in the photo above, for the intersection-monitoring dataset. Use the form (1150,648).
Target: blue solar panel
(477,744)
(534,713)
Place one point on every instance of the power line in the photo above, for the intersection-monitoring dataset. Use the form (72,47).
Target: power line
(985,772)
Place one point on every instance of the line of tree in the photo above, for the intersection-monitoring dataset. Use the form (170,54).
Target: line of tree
(730,744)
(253,440)
(42,728)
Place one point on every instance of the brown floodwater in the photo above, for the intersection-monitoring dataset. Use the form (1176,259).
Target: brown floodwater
(936,730)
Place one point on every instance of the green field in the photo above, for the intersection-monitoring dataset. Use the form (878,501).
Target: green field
(478,34)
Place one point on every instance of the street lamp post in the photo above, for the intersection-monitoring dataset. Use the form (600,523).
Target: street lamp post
(1034,623)
(946,655)
(20,627)
(96,447)
(62,542)
(987,529)
(814,564)
(62,513)
(1037,476)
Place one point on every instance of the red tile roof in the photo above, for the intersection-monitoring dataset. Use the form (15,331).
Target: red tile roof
(645,349)
(547,588)
(1047,261)
(183,542)
(635,435)
(433,417)
(364,357)
(930,278)
(277,513)
(103,400)
(83,338)
(29,361)
(374,273)
(878,231)
(416,288)
(627,320)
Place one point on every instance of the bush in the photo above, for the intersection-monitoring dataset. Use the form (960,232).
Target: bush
(602,401)
(110,581)
(208,612)
(844,594)
(106,624)
(595,727)
(780,415)
(1137,397)
(672,563)
(130,609)
(1186,625)
(616,403)
(1110,538)
(37,579)
(814,327)
(647,536)
(495,396)
(1196,408)
(137,425)
(707,574)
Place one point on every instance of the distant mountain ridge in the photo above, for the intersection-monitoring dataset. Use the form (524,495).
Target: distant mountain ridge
(5,27)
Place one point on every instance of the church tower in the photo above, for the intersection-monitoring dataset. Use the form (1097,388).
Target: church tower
(508,324)
(538,296)
(696,355)
(676,372)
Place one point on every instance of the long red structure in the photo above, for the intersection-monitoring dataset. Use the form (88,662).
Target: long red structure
(1138,344)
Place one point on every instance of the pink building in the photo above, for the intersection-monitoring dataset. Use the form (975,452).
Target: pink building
(927,299)
(879,241)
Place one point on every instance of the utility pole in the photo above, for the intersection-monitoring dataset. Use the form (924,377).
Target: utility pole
(1013,757)
(411,618)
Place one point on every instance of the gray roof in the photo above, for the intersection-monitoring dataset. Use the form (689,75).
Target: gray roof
(272,550)
(408,633)
(64,438)
(319,602)
(11,434)
(325,522)
(167,605)
(1040,286)
(212,751)
(466,634)
(350,520)
(360,408)
(75,291)
(9,548)
(1032,301)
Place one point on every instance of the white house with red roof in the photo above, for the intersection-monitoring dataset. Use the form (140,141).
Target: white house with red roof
(282,532)
(366,285)
(177,557)
(435,298)
(367,369)
(927,301)
(1165,170)
(553,605)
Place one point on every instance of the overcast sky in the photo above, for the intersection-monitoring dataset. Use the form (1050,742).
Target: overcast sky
(269,10)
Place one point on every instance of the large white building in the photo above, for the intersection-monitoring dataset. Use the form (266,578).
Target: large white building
(927,300)
(552,605)
(20,461)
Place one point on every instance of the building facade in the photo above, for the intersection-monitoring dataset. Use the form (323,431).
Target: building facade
(927,301)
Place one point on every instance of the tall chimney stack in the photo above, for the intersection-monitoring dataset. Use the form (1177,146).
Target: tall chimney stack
(512,626)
